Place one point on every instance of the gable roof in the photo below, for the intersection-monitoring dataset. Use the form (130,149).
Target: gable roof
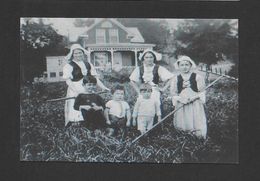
(98,21)
(138,38)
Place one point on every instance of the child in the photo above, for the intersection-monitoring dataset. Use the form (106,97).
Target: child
(117,112)
(187,91)
(145,109)
(91,105)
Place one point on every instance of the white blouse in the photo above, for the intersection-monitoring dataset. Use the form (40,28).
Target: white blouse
(164,74)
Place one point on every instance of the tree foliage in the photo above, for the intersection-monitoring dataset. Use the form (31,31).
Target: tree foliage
(207,41)
(82,22)
(36,41)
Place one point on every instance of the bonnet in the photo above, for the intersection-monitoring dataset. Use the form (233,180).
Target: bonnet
(157,55)
(74,47)
(184,58)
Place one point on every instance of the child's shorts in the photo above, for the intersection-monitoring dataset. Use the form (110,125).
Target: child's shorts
(117,122)
(144,122)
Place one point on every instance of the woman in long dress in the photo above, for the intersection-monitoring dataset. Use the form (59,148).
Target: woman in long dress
(187,91)
(74,71)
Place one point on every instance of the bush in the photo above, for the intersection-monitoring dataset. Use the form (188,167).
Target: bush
(121,76)
(234,71)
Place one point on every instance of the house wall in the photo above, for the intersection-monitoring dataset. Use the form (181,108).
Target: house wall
(122,35)
(55,66)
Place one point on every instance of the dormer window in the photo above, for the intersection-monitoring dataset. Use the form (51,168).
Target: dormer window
(113,36)
(100,36)
(106,24)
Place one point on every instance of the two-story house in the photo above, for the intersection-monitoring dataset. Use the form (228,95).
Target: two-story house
(110,44)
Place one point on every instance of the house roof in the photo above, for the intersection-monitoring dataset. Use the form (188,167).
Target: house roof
(131,31)
(120,45)
(110,19)
(138,38)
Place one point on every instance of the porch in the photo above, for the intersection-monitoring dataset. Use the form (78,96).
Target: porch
(113,57)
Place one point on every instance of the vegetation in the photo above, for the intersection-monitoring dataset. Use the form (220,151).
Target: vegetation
(43,136)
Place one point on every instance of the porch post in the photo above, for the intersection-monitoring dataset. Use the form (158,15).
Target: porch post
(136,57)
(112,57)
(90,51)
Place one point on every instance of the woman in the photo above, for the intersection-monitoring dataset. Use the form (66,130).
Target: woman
(187,91)
(150,73)
(74,71)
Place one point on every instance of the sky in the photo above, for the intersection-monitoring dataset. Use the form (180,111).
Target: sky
(65,26)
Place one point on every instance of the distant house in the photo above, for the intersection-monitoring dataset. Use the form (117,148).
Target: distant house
(54,68)
(111,45)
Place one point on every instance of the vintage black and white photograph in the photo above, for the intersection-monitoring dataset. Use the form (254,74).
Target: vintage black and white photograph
(130,90)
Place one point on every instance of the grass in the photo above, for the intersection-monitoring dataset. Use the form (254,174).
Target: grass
(43,136)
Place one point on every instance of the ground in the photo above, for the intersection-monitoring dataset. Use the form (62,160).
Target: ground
(43,136)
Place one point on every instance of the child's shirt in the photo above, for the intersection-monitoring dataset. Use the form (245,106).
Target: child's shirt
(88,99)
(117,108)
(146,107)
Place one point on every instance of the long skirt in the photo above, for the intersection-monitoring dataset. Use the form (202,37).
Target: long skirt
(191,117)
(72,115)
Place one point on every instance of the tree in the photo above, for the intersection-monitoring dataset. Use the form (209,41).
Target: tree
(207,41)
(36,40)
(82,22)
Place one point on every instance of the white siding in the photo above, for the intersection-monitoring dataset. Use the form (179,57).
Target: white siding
(55,65)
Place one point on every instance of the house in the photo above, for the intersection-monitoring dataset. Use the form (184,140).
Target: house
(110,44)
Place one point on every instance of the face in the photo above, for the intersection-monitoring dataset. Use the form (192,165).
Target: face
(90,87)
(118,95)
(185,66)
(78,55)
(146,93)
(148,59)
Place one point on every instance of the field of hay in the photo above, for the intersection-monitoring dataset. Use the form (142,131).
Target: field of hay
(43,136)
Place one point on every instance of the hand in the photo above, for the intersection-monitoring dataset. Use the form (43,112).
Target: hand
(106,89)
(86,107)
(128,123)
(183,100)
(108,122)
(159,118)
(95,107)
(194,98)
(134,121)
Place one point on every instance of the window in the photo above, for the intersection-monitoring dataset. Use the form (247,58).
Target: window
(106,24)
(113,35)
(100,59)
(61,74)
(100,36)
(52,74)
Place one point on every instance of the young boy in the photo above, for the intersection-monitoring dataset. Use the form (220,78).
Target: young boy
(117,112)
(145,109)
(91,105)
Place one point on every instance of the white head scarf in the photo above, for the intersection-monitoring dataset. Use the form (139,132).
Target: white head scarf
(74,47)
(157,55)
(184,58)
